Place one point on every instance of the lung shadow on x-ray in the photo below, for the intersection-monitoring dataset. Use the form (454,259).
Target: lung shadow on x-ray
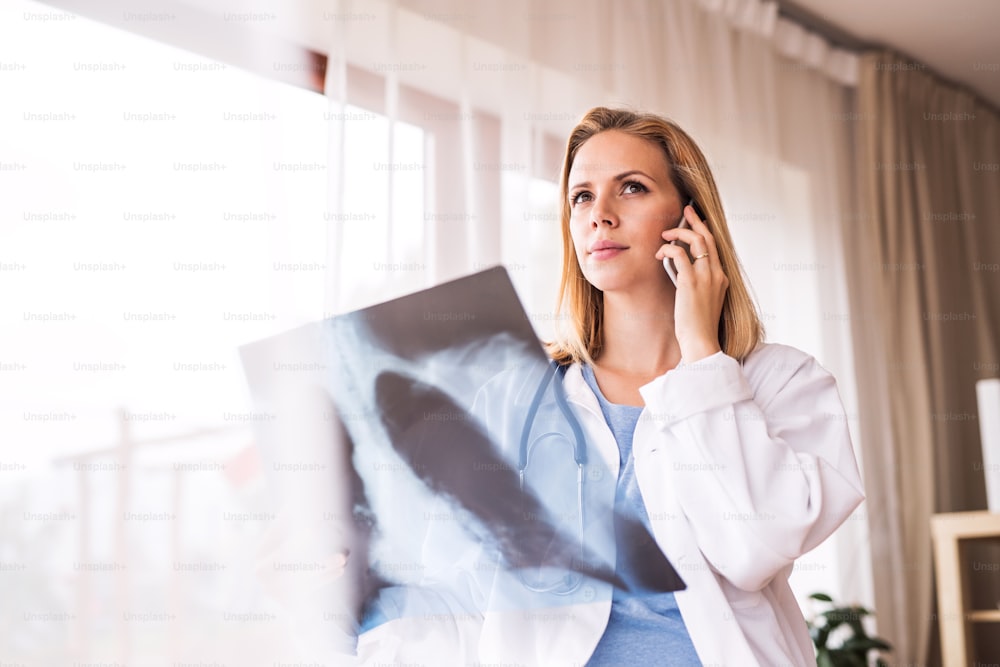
(447,451)
(445,448)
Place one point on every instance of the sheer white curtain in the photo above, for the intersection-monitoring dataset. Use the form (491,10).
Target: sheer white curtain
(770,104)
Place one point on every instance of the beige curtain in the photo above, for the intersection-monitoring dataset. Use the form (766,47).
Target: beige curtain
(923,248)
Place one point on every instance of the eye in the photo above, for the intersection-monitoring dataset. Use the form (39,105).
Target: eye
(578,197)
(634,187)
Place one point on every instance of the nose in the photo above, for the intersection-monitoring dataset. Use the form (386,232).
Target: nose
(602,213)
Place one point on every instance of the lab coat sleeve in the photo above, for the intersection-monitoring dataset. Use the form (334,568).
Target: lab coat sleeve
(759,455)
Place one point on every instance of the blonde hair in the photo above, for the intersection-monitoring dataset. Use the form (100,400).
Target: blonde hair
(740,328)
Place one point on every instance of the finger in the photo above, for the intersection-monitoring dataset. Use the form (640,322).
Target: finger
(691,237)
(698,225)
(681,234)
(672,251)
(701,262)
(692,216)
(679,257)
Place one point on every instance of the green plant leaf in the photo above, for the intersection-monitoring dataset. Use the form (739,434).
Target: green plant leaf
(846,658)
(854,650)
(866,644)
(840,615)
(857,629)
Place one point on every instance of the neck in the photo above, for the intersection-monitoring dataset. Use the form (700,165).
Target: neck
(638,333)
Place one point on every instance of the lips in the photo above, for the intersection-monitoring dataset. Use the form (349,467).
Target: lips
(606,249)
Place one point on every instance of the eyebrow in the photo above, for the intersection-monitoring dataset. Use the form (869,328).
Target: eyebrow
(620,177)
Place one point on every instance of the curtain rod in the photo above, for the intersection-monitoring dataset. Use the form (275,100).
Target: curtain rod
(790,10)
(820,25)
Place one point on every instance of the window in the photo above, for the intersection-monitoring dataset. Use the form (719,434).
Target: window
(380,239)
(159,210)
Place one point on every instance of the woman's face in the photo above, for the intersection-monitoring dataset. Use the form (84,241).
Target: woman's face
(621,199)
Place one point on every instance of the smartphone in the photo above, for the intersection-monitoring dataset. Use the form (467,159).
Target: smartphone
(668,263)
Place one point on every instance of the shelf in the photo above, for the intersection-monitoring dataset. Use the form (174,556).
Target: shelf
(950,531)
(984,616)
(966,525)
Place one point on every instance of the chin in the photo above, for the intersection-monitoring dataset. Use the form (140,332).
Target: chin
(608,278)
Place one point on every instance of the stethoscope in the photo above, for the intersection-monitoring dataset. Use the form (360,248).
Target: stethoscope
(569,583)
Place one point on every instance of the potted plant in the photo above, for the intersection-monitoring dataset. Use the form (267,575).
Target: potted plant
(851,643)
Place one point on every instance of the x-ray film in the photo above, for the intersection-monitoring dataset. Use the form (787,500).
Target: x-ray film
(459,479)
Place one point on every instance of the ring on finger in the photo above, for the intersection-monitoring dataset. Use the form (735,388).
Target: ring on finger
(697,257)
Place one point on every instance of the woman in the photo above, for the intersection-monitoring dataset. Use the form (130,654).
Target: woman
(735,453)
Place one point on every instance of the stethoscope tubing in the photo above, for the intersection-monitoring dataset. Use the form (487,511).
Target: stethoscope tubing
(579,456)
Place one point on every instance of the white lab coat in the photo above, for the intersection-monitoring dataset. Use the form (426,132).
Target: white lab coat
(742,468)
